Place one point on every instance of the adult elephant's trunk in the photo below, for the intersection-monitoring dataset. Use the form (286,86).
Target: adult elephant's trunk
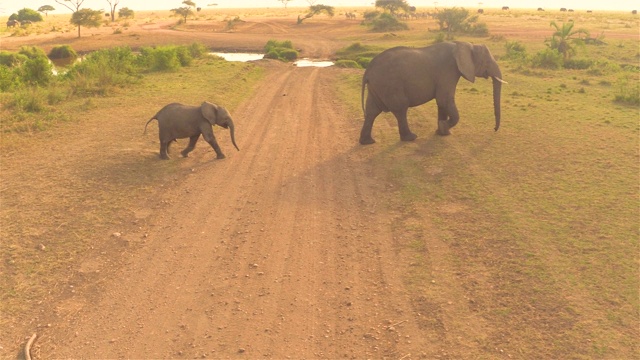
(233,137)
(497,87)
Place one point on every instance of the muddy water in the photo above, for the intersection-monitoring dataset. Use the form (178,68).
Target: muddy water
(244,57)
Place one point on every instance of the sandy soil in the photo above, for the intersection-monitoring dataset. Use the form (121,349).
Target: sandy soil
(294,259)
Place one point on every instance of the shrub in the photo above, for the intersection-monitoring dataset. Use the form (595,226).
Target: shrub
(547,59)
(36,71)
(162,58)
(515,50)
(364,61)
(63,52)
(11,59)
(458,20)
(361,54)
(32,99)
(26,14)
(370,15)
(32,52)
(281,50)
(275,44)
(102,70)
(125,12)
(8,78)
(184,55)
(386,22)
(477,29)
(198,50)
(347,64)
(442,37)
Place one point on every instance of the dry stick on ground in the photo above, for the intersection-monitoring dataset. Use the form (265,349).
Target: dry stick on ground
(398,323)
(27,348)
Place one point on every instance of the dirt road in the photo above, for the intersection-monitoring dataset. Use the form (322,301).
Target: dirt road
(284,249)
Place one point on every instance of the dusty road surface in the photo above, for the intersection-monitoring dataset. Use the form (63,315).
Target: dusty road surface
(288,254)
(283,250)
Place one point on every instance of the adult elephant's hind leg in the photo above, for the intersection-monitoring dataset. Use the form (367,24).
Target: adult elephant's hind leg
(403,126)
(371,112)
(192,144)
(164,149)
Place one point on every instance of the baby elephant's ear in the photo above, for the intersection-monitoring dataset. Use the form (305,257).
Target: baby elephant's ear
(209,111)
(463,54)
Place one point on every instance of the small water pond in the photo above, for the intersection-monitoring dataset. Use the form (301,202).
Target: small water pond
(244,57)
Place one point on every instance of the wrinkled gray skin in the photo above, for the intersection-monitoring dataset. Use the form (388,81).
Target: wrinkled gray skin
(403,77)
(177,121)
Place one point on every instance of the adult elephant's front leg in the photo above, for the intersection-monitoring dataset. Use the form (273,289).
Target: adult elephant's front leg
(403,126)
(448,117)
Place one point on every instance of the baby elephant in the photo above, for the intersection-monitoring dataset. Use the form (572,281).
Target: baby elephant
(177,121)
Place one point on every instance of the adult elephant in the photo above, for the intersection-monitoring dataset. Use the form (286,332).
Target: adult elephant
(403,77)
(178,121)
(13,23)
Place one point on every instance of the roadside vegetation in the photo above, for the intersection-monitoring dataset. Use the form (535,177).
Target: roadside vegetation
(32,91)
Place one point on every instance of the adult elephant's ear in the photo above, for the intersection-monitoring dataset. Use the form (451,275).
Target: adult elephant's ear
(463,53)
(209,111)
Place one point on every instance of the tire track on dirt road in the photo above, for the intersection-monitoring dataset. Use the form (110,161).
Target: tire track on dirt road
(283,249)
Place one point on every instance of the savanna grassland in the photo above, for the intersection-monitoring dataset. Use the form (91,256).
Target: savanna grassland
(521,243)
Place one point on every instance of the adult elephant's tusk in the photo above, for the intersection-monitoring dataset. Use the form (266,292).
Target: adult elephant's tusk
(502,81)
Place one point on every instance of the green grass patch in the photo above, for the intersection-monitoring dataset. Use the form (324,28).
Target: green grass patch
(545,209)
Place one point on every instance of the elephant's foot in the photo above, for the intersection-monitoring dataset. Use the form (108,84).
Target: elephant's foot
(164,157)
(367,140)
(443,128)
(220,156)
(184,154)
(408,137)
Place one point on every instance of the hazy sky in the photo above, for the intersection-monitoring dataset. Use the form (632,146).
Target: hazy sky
(7,7)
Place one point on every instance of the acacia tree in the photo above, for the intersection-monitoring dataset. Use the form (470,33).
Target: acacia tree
(315,10)
(125,12)
(393,5)
(112,8)
(45,9)
(74,6)
(184,11)
(86,18)
(285,2)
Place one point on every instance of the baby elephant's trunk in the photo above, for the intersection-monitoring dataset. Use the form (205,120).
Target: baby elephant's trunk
(233,137)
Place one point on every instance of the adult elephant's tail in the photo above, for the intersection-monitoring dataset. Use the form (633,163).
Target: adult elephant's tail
(145,125)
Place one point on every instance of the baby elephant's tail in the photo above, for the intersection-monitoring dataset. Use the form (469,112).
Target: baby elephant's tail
(145,125)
